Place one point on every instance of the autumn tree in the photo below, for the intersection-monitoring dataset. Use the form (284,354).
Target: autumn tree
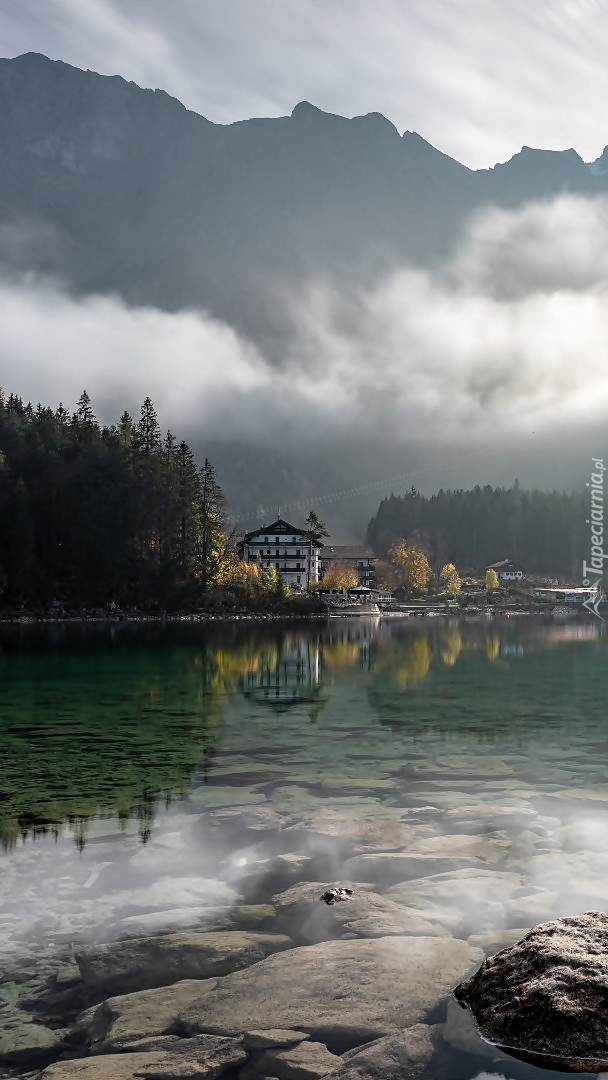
(386,576)
(492,581)
(214,541)
(450,578)
(243,577)
(340,575)
(411,565)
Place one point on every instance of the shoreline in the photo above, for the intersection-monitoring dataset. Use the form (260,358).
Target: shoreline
(277,616)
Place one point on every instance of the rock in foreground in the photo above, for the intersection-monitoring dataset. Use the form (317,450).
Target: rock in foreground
(339,992)
(546,998)
(396,1057)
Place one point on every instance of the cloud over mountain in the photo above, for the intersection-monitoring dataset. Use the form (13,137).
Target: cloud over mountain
(316,301)
(509,337)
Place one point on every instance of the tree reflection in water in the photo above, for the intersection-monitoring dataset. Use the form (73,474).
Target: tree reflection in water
(114,721)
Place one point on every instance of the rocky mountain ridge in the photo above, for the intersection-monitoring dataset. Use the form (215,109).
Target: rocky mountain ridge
(114,188)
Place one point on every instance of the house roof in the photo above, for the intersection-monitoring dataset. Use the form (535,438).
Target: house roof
(281,527)
(505,564)
(348,551)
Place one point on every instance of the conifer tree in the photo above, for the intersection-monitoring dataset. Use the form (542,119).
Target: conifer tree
(213,539)
(148,435)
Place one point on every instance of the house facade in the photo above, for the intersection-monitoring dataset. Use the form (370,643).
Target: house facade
(292,550)
(362,559)
(507,570)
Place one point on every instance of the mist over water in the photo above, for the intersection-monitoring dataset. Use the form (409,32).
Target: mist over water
(457,770)
(218,778)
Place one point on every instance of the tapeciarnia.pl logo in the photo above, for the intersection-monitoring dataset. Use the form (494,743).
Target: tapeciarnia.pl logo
(593,572)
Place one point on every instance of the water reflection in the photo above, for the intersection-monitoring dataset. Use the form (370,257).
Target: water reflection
(116,722)
(288,674)
(454,774)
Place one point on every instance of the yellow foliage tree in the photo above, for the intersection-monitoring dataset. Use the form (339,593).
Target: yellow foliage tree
(450,578)
(411,565)
(236,574)
(492,581)
(340,575)
(385,575)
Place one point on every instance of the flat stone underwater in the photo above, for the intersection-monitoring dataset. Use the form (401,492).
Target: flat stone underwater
(174,802)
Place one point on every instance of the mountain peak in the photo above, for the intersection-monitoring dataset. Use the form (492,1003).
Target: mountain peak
(305,111)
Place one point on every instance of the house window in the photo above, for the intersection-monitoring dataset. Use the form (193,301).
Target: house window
(293,539)
(265,539)
(277,552)
(276,539)
(277,565)
(297,554)
(299,582)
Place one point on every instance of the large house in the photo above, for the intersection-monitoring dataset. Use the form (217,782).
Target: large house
(507,570)
(292,550)
(362,559)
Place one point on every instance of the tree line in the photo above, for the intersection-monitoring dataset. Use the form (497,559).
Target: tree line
(544,531)
(92,514)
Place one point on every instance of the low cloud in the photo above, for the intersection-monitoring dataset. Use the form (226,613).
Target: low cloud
(508,339)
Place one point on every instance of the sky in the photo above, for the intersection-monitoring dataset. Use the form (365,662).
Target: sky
(477,78)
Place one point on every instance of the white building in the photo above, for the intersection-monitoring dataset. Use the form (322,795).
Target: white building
(507,570)
(573,595)
(293,551)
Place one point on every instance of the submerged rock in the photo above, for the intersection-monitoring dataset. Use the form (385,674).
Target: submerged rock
(271,1037)
(546,999)
(120,1023)
(25,1040)
(396,1057)
(165,1058)
(144,962)
(340,992)
(463,901)
(111,1067)
(306,1061)
(367,915)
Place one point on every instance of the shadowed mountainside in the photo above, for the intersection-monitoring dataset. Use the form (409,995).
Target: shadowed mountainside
(118,189)
(113,189)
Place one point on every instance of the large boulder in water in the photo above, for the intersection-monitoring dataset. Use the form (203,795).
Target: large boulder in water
(545,1000)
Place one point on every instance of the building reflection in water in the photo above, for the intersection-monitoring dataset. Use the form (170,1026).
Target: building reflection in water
(289,675)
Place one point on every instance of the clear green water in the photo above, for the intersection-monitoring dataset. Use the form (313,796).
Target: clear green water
(155,777)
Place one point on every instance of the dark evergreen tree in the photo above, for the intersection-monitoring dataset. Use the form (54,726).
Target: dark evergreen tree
(90,514)
(148,436)
(544,531)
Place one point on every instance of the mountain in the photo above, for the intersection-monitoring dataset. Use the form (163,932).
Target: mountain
(116,188)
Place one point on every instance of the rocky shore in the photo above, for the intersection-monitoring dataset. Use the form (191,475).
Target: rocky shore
(242,1004)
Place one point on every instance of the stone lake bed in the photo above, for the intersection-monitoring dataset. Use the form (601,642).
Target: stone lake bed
(459,793)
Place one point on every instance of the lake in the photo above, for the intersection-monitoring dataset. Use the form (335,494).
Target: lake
(163,777)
